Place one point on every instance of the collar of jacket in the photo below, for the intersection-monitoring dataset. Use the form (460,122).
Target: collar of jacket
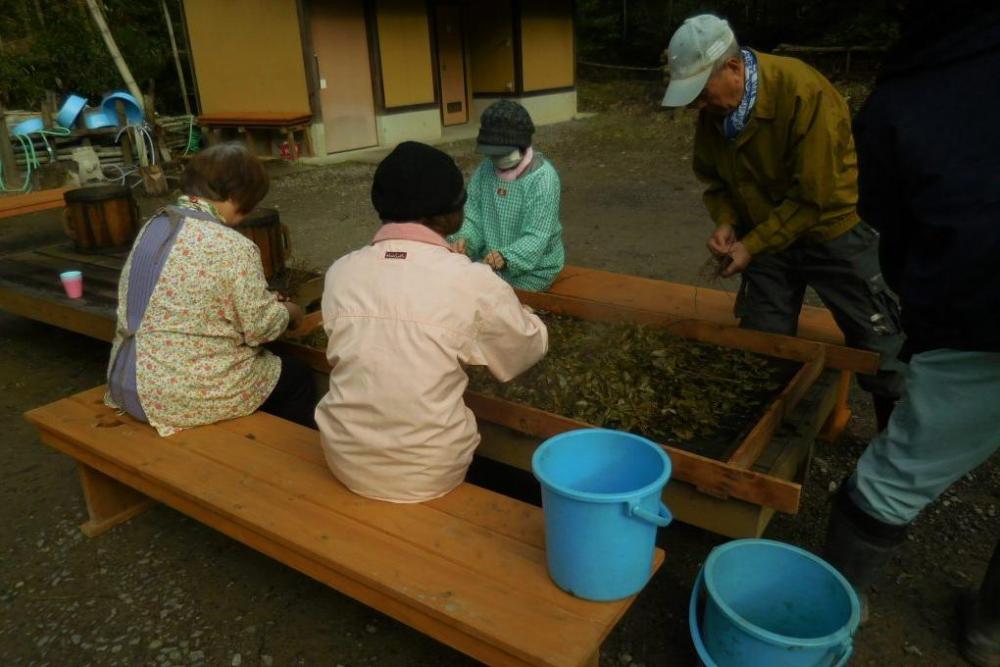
(409,231)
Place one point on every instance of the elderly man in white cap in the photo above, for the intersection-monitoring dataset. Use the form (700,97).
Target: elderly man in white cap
(774,147)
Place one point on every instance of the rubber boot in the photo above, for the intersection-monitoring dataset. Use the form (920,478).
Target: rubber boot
(884,405)
(980,643)
(859,545)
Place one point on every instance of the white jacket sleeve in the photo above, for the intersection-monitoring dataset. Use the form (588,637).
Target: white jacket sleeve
(511,339)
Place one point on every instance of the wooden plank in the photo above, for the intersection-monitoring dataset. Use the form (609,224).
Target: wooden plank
(397,577)
(688,302)
(255,119)
(502,515)
(110,260)
(841,414)
(109,502)
(685,301)
(103,280)
(706,473)
(786,347)
(758,438)
(46,280)
(71,314)
(31,202)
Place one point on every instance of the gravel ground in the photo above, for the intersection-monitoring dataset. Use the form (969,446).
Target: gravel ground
(165,590)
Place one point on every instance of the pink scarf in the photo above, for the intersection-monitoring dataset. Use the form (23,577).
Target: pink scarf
(512,174)
(409,231)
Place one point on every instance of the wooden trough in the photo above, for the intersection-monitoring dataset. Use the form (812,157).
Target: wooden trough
(736,496)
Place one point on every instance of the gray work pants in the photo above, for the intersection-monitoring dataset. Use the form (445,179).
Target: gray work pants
(845,273)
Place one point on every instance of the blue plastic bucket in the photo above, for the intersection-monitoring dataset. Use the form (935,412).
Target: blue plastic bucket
(770,604)
(601,496)
(133,110)
(97,119)
(70,110)
(26,127)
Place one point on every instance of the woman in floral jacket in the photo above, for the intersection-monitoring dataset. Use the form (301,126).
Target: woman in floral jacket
(194,310)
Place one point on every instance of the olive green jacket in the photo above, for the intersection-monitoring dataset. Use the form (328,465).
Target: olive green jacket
(792,173)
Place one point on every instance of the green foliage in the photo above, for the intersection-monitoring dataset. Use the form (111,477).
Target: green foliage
(637,31)
(55,45)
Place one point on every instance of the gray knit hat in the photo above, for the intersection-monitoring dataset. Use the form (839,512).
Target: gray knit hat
(504,126)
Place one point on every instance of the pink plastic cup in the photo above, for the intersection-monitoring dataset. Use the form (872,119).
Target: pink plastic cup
(73,283)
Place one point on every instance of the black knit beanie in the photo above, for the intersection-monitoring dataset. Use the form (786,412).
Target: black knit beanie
(416,181)
(504,126)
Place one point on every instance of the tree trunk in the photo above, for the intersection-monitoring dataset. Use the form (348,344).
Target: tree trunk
(116,55)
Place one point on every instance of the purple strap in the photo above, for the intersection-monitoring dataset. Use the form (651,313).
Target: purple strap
(148,259)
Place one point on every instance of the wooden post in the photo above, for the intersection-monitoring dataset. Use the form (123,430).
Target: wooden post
(126,139)
(48,109)
(841,414)
(109,502)
(177,58)
(11,172)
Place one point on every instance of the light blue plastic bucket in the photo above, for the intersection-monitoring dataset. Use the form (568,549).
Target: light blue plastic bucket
(71,109)
(97,119)
(771,604)
(26,127)
(601,496)
(132,108)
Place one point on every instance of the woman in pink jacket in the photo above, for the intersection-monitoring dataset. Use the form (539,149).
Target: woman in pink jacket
(404,315)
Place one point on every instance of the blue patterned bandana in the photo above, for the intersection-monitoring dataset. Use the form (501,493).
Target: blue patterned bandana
(738,119)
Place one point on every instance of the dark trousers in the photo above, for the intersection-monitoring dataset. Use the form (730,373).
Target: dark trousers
(294,397)
(845,273)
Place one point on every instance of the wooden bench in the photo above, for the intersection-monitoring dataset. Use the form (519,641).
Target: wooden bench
(288,123)
(41,200)
(467,569)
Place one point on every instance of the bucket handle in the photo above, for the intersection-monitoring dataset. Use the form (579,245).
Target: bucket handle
(661,518)
(695,626)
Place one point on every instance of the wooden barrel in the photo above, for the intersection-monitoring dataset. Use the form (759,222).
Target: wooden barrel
(263,227)
(101,217)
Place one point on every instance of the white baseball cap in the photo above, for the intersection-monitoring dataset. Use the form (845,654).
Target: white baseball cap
(693,50)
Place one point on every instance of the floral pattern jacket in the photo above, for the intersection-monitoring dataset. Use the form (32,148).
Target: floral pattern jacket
(199,358)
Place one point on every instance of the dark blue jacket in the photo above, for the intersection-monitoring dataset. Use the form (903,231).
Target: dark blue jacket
(928,143)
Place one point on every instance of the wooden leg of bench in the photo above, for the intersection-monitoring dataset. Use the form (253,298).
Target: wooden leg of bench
(307,144)
(837,421)
(109,502)
(250,143)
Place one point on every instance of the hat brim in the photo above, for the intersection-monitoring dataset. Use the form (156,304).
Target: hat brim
(682,92)
(493,149)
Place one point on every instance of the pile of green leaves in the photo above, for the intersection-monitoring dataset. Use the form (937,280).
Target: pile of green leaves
(642,380)
(646,381)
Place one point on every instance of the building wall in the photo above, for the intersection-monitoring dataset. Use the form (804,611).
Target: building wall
(491,47)
(247,56)
(404,47)
(547,48)
(555,107)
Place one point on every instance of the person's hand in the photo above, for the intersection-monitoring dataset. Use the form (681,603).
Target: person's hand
(495,260)
(722,240)
(295,315)
(459,246)
(741,260)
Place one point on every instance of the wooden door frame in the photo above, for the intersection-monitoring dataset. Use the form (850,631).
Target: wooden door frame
(432,7)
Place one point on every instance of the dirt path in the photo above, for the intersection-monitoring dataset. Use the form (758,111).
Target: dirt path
(164,590)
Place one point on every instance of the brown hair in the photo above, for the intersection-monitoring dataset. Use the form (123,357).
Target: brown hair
(226,171)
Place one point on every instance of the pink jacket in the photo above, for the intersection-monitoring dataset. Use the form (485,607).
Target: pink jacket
(404,315)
